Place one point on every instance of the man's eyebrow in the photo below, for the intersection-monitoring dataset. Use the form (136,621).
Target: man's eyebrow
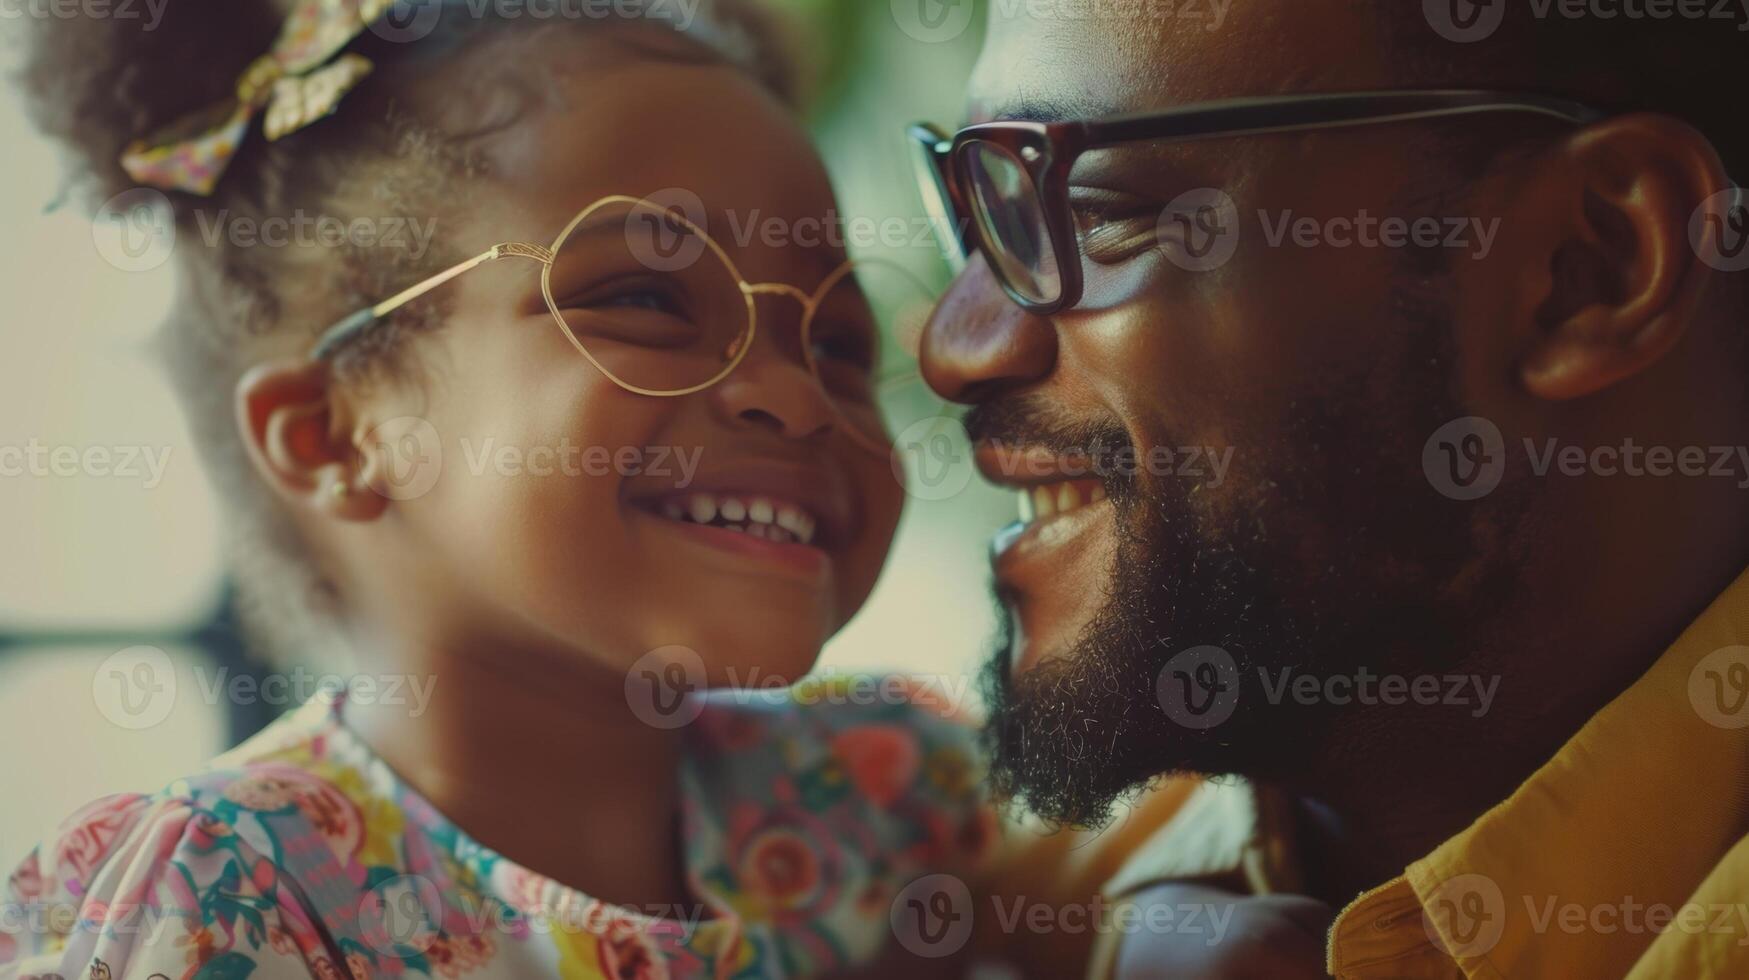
(1043,109)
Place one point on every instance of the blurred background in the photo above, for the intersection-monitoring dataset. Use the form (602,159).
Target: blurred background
(94,566)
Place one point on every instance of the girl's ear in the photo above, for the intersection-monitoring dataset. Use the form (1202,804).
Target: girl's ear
(287,413)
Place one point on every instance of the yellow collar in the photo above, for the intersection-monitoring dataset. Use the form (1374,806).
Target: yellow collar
(1567,877)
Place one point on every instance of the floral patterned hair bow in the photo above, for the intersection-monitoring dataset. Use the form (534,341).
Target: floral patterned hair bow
(296,83)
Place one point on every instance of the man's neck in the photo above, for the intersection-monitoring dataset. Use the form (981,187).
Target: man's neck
(1397,783)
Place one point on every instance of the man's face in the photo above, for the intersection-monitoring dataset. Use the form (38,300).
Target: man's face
(1261,419)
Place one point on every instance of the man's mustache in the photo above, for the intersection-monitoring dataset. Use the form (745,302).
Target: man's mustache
(1027,421)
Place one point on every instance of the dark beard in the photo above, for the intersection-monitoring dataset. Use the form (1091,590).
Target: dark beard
(1086,726)
(1070,737)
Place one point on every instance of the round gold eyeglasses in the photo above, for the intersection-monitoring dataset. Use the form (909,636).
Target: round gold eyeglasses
(657,305)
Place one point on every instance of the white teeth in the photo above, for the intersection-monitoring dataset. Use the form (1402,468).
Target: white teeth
(1044,502)
(759,516)
(797,522)
(703,508)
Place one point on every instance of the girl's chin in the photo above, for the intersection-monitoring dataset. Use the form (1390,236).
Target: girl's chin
(740,647)
(776,665)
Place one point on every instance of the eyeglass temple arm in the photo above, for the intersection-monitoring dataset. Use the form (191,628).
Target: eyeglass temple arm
(1240,117)
(344,331)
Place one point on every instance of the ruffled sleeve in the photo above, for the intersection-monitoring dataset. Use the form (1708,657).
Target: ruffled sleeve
(155,887)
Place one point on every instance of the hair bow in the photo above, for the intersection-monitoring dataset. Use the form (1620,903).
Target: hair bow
(296,83)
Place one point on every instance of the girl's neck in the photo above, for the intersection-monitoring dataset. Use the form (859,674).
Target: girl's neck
(541,759)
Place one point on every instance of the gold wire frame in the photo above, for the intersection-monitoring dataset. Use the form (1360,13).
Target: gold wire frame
(345,330)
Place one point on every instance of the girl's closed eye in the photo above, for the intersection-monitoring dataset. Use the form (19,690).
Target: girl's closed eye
(647,310)
(843,347)
(842,343)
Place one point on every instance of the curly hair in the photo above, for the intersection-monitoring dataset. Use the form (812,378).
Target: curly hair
(399,144)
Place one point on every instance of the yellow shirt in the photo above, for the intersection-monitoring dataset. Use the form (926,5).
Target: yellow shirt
(1624,855)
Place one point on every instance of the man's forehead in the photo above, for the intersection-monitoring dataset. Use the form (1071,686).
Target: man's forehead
(1111,58)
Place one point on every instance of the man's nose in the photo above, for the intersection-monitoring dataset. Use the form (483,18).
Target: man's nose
(979,344)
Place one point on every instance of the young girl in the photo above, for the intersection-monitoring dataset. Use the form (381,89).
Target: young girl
(605,462)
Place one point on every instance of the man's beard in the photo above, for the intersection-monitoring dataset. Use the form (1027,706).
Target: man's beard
(1085,726)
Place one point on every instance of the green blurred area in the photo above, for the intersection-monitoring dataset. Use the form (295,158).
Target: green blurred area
(868,80)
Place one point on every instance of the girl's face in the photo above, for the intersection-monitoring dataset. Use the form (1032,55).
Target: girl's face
(553,516)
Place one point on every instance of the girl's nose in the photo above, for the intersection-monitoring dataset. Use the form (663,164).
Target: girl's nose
(773,388)
(978,344)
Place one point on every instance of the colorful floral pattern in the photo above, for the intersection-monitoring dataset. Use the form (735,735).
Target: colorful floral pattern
(300,854)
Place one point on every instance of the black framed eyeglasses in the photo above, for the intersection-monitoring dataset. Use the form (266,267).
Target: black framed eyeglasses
(1002,188)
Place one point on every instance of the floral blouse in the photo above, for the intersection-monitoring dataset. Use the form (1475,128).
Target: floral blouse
(300,854)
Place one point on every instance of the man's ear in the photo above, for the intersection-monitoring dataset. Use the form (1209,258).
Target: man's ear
(286,412)
(1612,279)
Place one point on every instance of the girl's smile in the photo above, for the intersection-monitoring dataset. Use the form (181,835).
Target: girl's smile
(763,513)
